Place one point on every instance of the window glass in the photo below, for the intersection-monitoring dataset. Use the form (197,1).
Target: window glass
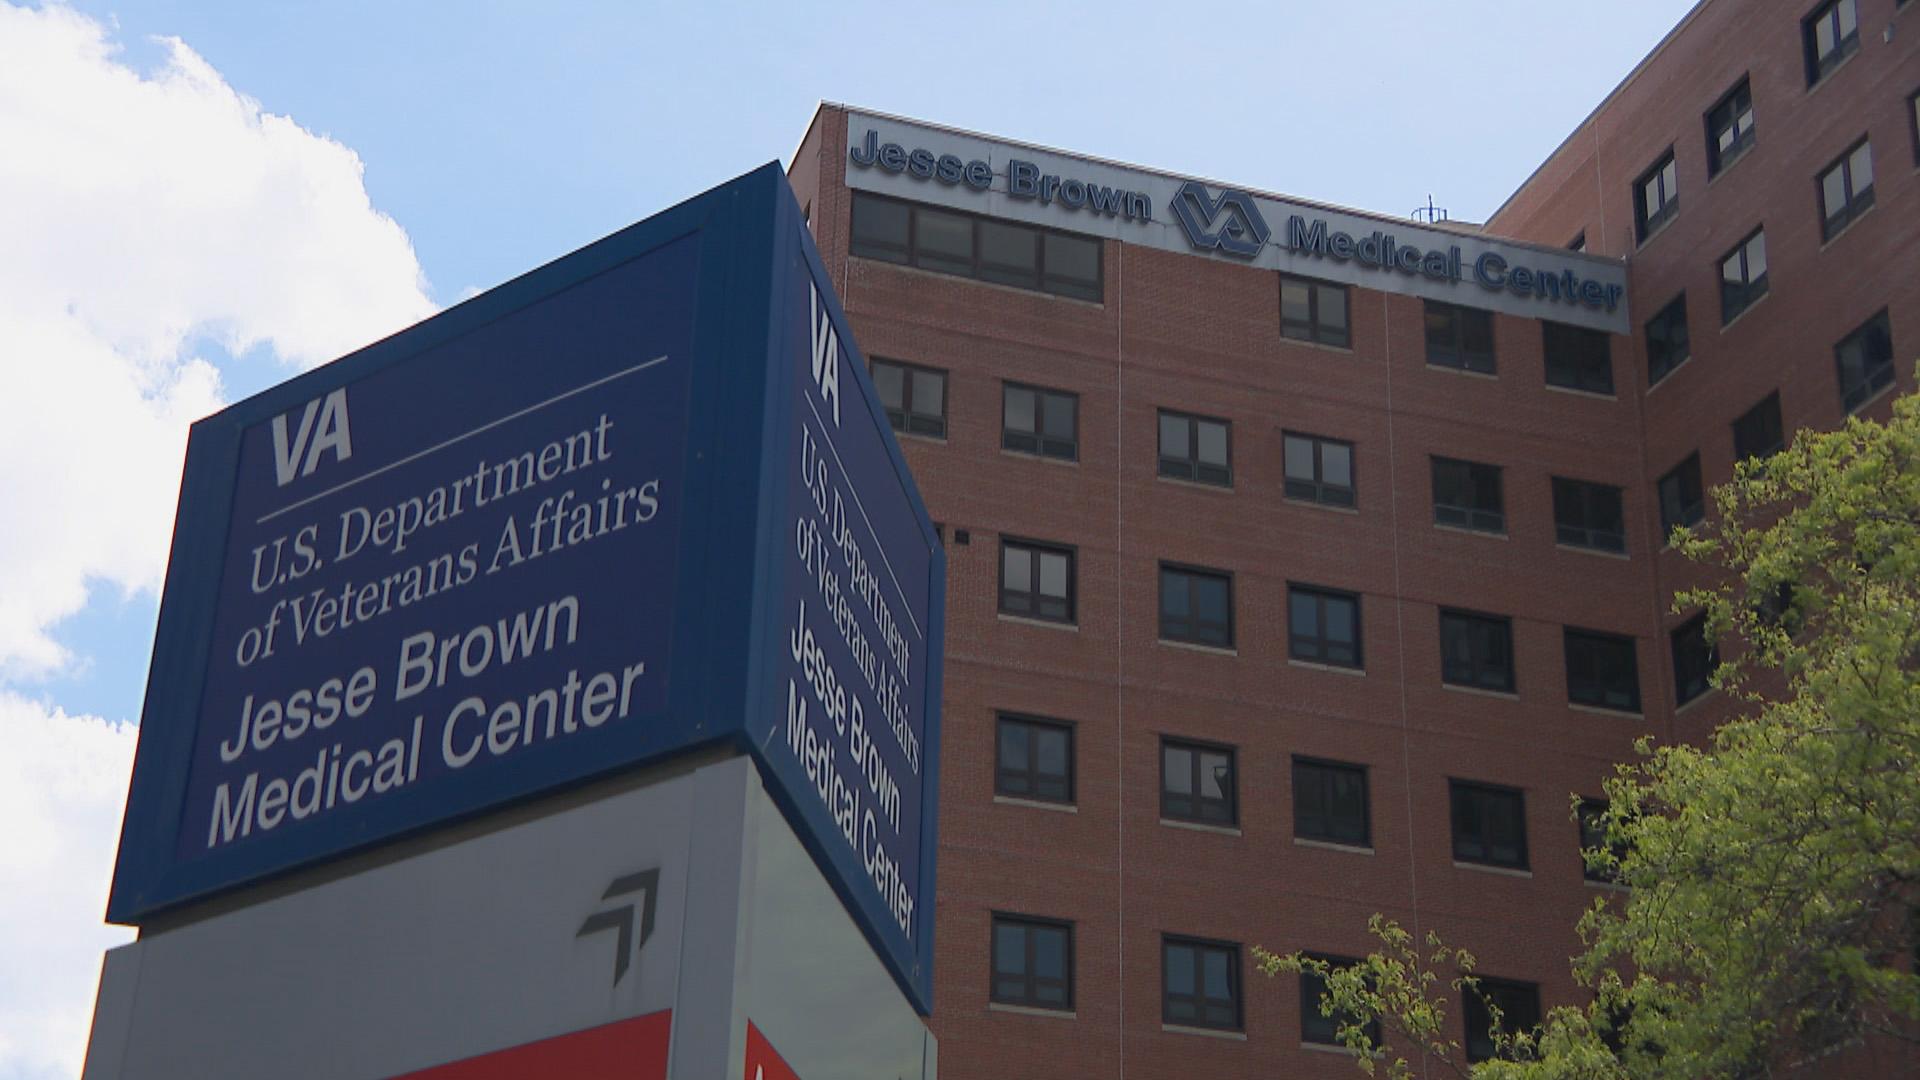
(1197,783)
(1831,33)
(1682,501)
(969,245)
(1036,580)
(1758,432)
(1194,448)
(1577,358)
(1459,337)
(1313,311)
(1330,802)
(1865,361)
(1323,626)
(1602,670)
(1467,495)
(1034,759)
(915,397)
(1519,1006)
(1667,345)
(943,241)
(1201,984)
(1476,650)
(1317,469)
(1656,197)
(1032,962)
(1072,266)
(880,229)
(1729,128)
(1315,1026)
(1042,422)
(1743,276)
(1009,254)
(1489,825)
(1846,190)
(1694,659)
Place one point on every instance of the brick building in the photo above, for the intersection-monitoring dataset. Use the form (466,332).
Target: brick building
(1294,577)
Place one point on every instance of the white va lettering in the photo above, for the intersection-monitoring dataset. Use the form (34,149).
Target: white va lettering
(311,438)
(826,355)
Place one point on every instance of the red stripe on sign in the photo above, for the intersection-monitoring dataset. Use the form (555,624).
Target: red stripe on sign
(763,1061)
(633,1049)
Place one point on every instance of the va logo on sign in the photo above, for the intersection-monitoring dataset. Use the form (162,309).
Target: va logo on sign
(1230,223)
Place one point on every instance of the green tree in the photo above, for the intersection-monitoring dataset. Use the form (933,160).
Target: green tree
(1774,872)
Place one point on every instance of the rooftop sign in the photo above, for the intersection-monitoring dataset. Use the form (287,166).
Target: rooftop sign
(639,500)
(968,172)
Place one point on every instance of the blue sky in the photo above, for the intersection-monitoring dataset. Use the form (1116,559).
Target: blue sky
(188,246)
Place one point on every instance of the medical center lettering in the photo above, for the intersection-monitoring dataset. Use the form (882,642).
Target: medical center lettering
(1491,270)
(849,706)
(438,701)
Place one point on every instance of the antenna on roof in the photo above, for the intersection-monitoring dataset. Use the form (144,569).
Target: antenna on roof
(1429,213)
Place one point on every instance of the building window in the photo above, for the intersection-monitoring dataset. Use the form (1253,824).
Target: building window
(1330,802)
(1743,276)
(915,397)
(1323,626)
(1316,1026)
(967,245)
(1729,128)
(1577,358)
(1588,515)
(1459,337)
(1319,470)
(1592,814)
(1602,671)
(1758,432)
(1466,494)
(1667,346)
(1489,824)
(1202,983)
(1832,33)
(1913,123)
(1694,659)
(1476,650)
(1197,783)
(1196,605)
(1033,759)
(1032,962)
(1195,448)
(1578,243)
(1037,421)
(1519,1005)
(1314,311)
(1681,500)
(1865,358)
(1036,580)
(1846,190)
(1656,197)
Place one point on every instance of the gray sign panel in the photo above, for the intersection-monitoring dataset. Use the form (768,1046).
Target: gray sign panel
(925,163)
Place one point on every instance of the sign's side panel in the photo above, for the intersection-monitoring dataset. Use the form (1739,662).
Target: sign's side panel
(486,557)
(854,1025)
(560,924)
(848,707)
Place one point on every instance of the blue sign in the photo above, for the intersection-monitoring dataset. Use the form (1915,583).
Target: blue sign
(640,500)
(1230,222)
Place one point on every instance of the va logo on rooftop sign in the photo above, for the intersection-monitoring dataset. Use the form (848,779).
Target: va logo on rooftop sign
(1230,222)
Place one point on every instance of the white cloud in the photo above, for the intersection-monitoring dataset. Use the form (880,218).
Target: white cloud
(63,786)
(142,212)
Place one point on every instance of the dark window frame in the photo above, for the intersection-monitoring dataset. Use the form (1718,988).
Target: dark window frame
(1201,947)
(1191,468)
(1514,1014)
(1038,442)
(1913,123)
(1323,802)
(1478,847)
(1587,817)
(1845,42)
(1319,489)
(1032,776)
(1737,296)
(1588,684)
(1315,329)
(1876,373)
(1579,519)
(1480,672)
(1577,358)
(1694,658)
(1662,362)
(1648,220)
(1030,995)
(1455,352)
(1725,117)
(1319,648)
(908,252)
(1175,629)
(1856,201)
(1759,432)
(1226,812)
(1689,503)
(1034,610)
(1325,1030)
(1475,516)
(933,427)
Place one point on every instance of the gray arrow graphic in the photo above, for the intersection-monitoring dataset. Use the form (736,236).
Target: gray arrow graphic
(621,918)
